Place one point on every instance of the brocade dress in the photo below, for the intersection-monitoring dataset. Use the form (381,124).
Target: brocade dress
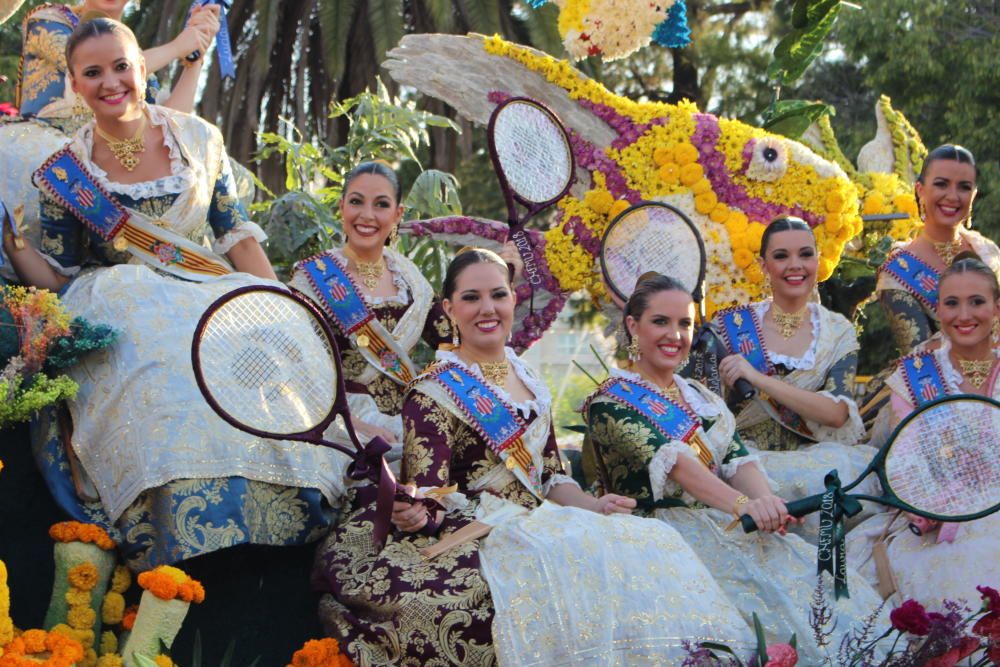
(550,585)
(771,575)
(943,564)
(911,310)
(797,453)
(164,474)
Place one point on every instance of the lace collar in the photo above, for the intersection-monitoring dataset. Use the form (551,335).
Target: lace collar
(181,176)
(952,376)
(808,359)
(539,405)
(402,295)
(698,404)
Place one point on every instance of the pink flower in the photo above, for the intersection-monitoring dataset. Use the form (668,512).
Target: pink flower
(781,655)
(911,617)
(7,109)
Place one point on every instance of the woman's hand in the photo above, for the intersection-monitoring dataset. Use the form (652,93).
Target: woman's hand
(612,503)
(769,513)
(200,30)
(923,524)
(510,255)
(734,367)
(369,431)
(410,517)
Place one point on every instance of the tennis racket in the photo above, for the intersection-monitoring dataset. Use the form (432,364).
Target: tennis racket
(533,160)
(266,362)
(652,236)
(941,462)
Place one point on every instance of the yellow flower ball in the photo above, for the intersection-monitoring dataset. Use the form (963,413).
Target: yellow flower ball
(670,173)
(906,203)
(704,185)
(720,214)
(109,642)
(755,232)
(825,270)
(163,661)
(830,249)
(742,257)
(663,154)
(83,576)
(618,208)
(685,153)
(835,202)
(6,630)
(845,234)
(76,597)
(874,203)
(739,240)
(691,174)
(113,608)
(110,661)
(89,658)
(121,579)
(833,223)
(705,202)
(599,201)
(81,618)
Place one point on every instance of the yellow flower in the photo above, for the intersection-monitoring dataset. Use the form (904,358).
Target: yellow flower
(691,174)
(701,186)
(163,661)
(754,273)
(110,661)
(618,208)
(600,201)
(81,618)
(670,173)
(121,579)
(113,608)
(109,642)
(720,213)
(833,223)
(705,202)
(755,232)
(835,202)
(77,597)
(663,154)
(743,257)
(83,576)
(826,267)
(874,203)
(685,153)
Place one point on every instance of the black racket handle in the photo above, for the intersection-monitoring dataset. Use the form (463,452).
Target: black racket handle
(795,508)
(744,390)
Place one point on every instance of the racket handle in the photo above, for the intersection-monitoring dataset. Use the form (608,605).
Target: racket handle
(744,390)
(796,508)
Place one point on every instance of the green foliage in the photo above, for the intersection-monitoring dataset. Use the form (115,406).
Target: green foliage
(19,401)
(84,337)
(381,126)
(812,21)
(793,117)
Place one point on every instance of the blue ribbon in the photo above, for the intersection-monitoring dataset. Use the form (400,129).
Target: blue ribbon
(832,547)
(223,43)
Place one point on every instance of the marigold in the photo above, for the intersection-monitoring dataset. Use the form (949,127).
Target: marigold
(618,208)
(164,661)
(691,174)
(720,213)
(168,583)
(685,153)
(75,531)
(755,233)
(34,640)
(81,617)
(705,202)
(121,579)
(110,660)
(754,273)
(109,643)
(75,597)
(662,155)
(742,257)
(112,608)
(128,618)
(83,576)
(670,173)
(704,185)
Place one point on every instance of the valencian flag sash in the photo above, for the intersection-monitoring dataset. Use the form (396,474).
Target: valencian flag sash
(67,181)
(673,420)
(919,278)
(494,420)
(923,377)
(342,302)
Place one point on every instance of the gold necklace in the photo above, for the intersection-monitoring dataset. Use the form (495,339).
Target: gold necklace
(947,250)
(976,371)
(126,150)
(370,272)
(788,323)
(495,371)
(673,392)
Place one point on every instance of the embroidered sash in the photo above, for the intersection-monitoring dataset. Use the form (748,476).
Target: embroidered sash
(66,180)
(919,278)
(923,377)
(494,420)
(743,336)
(342,302)
(673,420)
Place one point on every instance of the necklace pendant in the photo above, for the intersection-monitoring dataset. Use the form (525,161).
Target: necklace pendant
(976,371)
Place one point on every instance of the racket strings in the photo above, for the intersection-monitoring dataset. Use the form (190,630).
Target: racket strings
(945,460)
(268,364)
(533,151)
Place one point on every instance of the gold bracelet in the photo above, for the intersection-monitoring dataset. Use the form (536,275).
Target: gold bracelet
(741,500)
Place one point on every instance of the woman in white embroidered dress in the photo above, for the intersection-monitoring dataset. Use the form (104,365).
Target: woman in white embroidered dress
(699,483)
(804,420)
(167,477)
(553,583)
(946,561)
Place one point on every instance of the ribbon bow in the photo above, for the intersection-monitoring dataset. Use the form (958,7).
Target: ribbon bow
(370,464)
(832,548)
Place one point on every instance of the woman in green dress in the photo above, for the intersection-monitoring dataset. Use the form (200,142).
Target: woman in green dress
(671,444)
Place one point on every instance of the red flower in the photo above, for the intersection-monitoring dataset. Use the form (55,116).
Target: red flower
(781,655)
(911,617)
(966,647)
(991,598)
(8,109)
(989,625)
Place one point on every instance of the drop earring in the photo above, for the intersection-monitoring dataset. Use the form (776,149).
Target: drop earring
(455,338)
(634,354)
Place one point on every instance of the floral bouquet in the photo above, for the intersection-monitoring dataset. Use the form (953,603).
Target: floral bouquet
(38,340)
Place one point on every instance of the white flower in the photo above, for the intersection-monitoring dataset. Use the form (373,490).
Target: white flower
(769,160)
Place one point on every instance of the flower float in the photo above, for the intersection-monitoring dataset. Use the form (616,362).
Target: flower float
(85,559)
(730,178)
(613,29)
(167,595)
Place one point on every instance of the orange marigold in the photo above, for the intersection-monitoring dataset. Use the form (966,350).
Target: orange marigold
(83,576)
(128,618)
(320,653)
(75,531)
(63,651)
(168,583)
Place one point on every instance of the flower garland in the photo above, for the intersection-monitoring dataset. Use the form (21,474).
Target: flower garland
(908,150)
(320,653)
(6,622)
(170,583)
(30,649)
(75,531)
(730,178)
(81,616)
